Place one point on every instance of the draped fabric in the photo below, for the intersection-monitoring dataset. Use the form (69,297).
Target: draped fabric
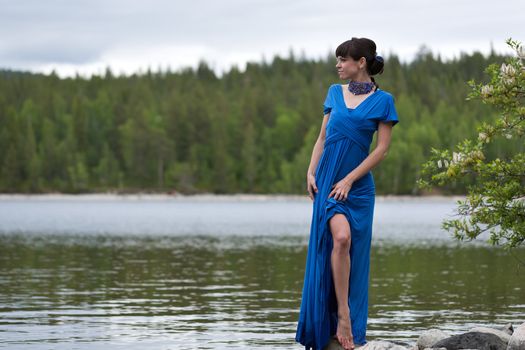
(349,133)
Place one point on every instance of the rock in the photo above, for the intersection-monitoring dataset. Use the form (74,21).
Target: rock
(381,345)
(428,338)
(508,329)
(472,340)
(501,334)
(517,340)
(372,345)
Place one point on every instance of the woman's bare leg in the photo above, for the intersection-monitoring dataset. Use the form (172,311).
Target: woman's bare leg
(340,260)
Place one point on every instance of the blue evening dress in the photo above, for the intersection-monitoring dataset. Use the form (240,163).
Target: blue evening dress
(349,133)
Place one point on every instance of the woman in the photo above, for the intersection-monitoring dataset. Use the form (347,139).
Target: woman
(339,181)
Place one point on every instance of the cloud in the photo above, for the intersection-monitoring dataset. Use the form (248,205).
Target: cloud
(131,35)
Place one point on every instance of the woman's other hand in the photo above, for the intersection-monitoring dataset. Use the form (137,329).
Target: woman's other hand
(311,187)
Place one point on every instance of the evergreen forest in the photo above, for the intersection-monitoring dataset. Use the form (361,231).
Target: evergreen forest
(246,131)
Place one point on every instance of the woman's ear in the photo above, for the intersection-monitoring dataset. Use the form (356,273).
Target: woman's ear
(362,62)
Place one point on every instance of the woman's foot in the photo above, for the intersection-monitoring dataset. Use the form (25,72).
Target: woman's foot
(344,333)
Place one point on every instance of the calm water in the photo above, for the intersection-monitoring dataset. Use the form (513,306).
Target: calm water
(226,272)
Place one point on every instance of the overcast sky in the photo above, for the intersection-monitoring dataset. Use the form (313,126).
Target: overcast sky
(127,35)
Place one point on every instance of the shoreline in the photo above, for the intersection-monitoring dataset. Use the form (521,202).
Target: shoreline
(210,196)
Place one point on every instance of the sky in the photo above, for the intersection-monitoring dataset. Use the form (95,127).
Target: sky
(84,37)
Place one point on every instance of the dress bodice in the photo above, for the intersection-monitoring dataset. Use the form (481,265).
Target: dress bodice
(361,122)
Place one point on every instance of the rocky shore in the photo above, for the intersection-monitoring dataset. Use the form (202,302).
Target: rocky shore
(479,338)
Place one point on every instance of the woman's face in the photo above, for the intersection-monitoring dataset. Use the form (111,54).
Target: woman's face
(348,68)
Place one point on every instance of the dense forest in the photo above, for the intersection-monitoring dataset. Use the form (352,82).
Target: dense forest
(250,131)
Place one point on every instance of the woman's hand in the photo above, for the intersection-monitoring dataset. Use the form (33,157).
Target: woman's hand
(311,187)
(340,190)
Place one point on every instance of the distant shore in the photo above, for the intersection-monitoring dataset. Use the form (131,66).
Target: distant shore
(208,197)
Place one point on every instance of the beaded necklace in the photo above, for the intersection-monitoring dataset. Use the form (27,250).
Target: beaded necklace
(360,87)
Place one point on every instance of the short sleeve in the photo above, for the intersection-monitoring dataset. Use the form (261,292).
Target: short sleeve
(387,112)
(391,112)
(328,102)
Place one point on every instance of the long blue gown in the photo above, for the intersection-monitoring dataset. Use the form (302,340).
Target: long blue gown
(349,133)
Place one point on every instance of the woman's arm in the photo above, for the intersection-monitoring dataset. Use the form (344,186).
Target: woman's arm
(311,186)
(341,189)
(318,147)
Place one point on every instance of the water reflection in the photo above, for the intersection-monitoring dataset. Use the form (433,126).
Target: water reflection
(202,292)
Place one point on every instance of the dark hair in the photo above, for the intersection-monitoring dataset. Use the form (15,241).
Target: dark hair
(362,47)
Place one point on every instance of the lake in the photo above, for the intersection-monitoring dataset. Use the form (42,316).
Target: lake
(226,272)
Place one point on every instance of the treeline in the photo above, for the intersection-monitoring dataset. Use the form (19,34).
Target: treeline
(248,131)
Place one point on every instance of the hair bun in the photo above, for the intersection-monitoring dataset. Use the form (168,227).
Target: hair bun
(376,66)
